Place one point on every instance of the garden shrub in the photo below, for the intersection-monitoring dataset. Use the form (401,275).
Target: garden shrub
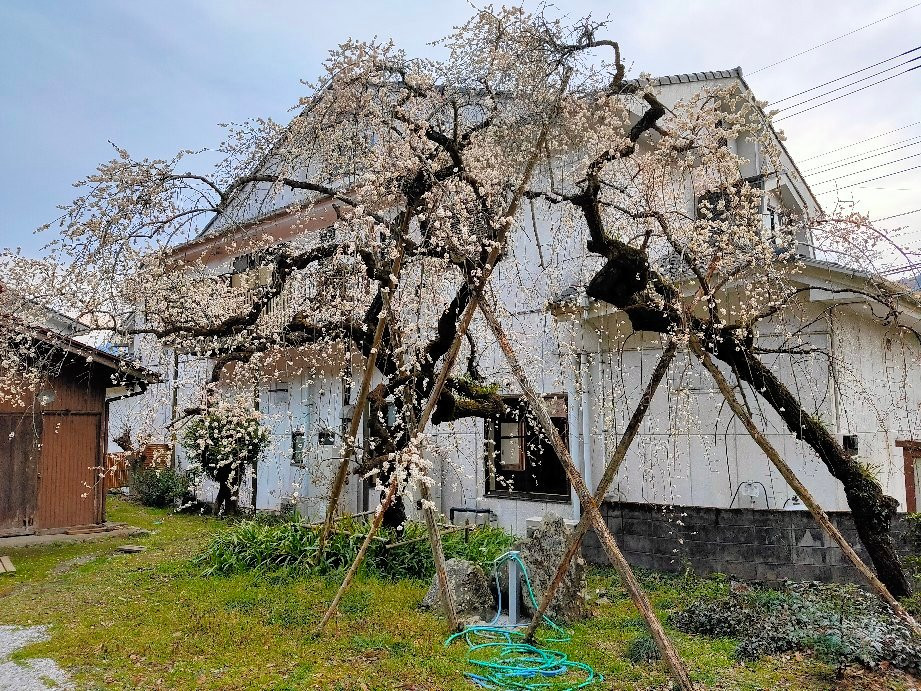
(840,624)
(261,546)
(160,488)
(222,443)
(643,649)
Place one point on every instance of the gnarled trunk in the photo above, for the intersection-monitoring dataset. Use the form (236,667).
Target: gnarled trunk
(626,281)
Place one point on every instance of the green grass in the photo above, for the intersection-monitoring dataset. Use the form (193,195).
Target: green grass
(152,620)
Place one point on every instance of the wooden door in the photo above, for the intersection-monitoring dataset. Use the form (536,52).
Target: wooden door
(19,453)
(67,488)
(911,452)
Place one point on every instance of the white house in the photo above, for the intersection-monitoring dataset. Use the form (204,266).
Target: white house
(690,452)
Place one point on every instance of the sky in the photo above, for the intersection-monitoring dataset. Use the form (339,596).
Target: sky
(156,77)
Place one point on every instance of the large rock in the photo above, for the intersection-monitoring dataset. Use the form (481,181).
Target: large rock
(542,551)
(469,584)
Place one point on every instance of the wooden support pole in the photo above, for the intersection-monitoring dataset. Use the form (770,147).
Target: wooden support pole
(450,358)
(363,550)
(363,393)
(805,496)
(640,600)
(610,472)
(438,553)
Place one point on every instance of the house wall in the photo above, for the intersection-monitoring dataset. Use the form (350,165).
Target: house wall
(690,450)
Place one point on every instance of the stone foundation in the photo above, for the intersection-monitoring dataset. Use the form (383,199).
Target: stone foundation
(749,544)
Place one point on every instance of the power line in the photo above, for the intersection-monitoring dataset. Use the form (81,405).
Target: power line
(864,170)
(852,144)
(850,158)
(845,86)
(832,40)
(838,79)
(836,98)
(880,177)
(904,213)
(848,162)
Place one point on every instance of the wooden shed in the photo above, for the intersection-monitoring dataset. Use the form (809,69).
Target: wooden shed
(52,448)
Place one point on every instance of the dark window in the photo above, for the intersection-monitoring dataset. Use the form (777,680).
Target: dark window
(520,462)
(297,448)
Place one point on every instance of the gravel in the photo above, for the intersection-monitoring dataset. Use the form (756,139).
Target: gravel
(28,675)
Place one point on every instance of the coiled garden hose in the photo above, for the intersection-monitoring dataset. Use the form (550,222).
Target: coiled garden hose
(505,661)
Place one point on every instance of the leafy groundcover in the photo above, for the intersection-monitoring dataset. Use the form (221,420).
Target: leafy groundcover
(842,624)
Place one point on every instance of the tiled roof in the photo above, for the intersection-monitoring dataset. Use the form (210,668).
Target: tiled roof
(689,77)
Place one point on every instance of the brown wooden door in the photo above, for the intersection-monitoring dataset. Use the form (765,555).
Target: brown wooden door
(911,452)
(67,491)
(19,452)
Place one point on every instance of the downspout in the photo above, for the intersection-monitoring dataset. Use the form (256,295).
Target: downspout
(586,422)
(575,431)
(586,407)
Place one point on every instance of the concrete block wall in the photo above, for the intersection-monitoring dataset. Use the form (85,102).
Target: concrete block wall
(749,544)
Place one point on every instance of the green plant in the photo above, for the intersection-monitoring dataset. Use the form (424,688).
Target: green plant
(161,488)
(260,546)
(642,649)
(222,443)
(839,624)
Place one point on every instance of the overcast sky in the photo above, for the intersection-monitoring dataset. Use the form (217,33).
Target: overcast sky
(155,77)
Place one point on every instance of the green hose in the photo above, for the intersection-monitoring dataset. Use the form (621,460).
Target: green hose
(509,662)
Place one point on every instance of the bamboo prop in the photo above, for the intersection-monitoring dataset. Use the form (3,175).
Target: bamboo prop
(640,600)
(787,472)
(359,558)
(435,394)
(363,393)
(610,472)
(438,553)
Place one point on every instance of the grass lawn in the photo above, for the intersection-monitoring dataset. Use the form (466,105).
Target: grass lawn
(151,621)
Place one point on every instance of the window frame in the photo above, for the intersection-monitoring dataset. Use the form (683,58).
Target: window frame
(492,435)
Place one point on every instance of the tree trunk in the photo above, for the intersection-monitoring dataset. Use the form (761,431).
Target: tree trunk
(871,509)
(626,281)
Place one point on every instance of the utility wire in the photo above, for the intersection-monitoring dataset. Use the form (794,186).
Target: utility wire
(853,83)
(864,153)
(864,182)
(846,162)
(904,213)
(852,144)
(838,79)
(836,38)
(864,170)
(836,98)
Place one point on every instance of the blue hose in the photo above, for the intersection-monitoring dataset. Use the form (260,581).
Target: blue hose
(509,662)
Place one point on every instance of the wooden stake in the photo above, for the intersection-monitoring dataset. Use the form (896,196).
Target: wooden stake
(441,568)
(361,401)
(610,472)
(640,600)
(817,512)
(359,558)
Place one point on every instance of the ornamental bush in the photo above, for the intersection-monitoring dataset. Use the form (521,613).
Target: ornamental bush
(255,545)
(161,488)
(222,443)
(840,624)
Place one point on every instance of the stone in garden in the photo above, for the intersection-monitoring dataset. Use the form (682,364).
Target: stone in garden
(469,584)
(542,551)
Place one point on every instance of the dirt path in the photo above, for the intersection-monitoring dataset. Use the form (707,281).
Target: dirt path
(31,675)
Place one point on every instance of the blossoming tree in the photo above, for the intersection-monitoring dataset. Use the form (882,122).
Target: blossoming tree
(422,167)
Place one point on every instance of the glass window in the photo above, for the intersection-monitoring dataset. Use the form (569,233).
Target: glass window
(520,462)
